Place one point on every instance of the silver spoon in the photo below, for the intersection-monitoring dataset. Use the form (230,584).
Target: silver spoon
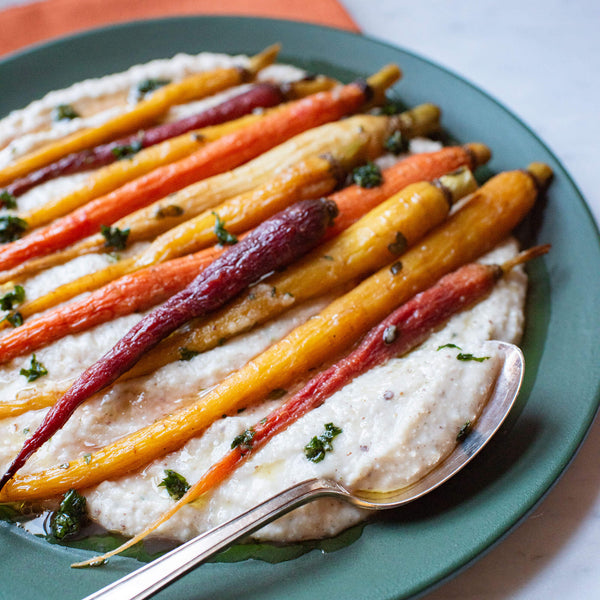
(151,578)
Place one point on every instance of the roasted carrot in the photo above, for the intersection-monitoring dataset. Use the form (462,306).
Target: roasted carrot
(219,156)
(150,286)
(263,95)
(399,333)
(274,244)
(489,215)
(111,177)
(144,113)
(362,249)
(353,253)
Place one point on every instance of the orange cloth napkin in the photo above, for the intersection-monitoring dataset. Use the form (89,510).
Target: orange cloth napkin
(47,19)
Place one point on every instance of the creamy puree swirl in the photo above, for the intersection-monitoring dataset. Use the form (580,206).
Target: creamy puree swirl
(398,420)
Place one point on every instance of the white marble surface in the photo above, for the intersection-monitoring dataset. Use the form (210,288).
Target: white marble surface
(520,51)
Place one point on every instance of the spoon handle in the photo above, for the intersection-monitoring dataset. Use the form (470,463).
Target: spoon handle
(151,578)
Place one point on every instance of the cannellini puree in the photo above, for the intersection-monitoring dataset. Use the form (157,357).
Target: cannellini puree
(397,421)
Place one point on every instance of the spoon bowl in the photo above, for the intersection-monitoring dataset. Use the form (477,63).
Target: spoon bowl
(151,578)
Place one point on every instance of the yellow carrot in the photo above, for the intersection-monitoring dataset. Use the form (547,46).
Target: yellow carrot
(485,220)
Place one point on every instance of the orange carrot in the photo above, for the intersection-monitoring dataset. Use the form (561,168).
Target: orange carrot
(219,156)
(354,201)
(131,293)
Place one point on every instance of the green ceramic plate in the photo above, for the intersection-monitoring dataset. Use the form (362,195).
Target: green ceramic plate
(409,550)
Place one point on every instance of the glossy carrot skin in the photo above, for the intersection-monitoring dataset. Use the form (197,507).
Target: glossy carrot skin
(136,292)
(263,95)
(217,157)
(409,325)
(274,244)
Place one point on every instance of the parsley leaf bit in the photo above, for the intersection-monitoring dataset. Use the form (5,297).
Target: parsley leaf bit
(35,371)
(146,87)
(64,112)
(115,238)
(464,431)
(10,299)
(243,441)
(7,200)
(187,354)
(175,484)
(225,237)
(464,356)
(397,143)
(316,449)
(126,150)
(11,228)
(70,516)
(367,176)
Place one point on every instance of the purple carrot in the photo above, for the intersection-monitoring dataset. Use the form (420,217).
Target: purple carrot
(275,243)
(262,95)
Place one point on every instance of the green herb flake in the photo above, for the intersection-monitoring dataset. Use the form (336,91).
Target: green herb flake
(64,112)
(187,354)
(317,447)
(70,516)
(328,257)
(10,299)
(114,237)
(146,87)
(175,484)
(126,150)
(466,357)
(389,108)
(87,459)
(14,318)
(7,200)
(225,238)
(276,394)
(367,176)
(243,441)
(448,346)
(35,371)
(399,245)
(397,143)
(464,431)
(171,210)
(11,228)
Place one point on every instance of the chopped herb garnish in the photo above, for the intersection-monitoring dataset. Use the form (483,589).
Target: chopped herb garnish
(11,228)
(186,353)
(398,246)
(10,299)
(70,516)
(465,356)
(127,150)
(64,112)
(243,441)
(7,200)
(389,108)
(171,210)
(328,257)
(87,458)
(396,268)
(14,318)
(115,237)
(390,334)
(367,176)
(35,371)
(175,484)
(449,346)
(317,447)
(147,86)
(396,143)
(464,431)
(225,238)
